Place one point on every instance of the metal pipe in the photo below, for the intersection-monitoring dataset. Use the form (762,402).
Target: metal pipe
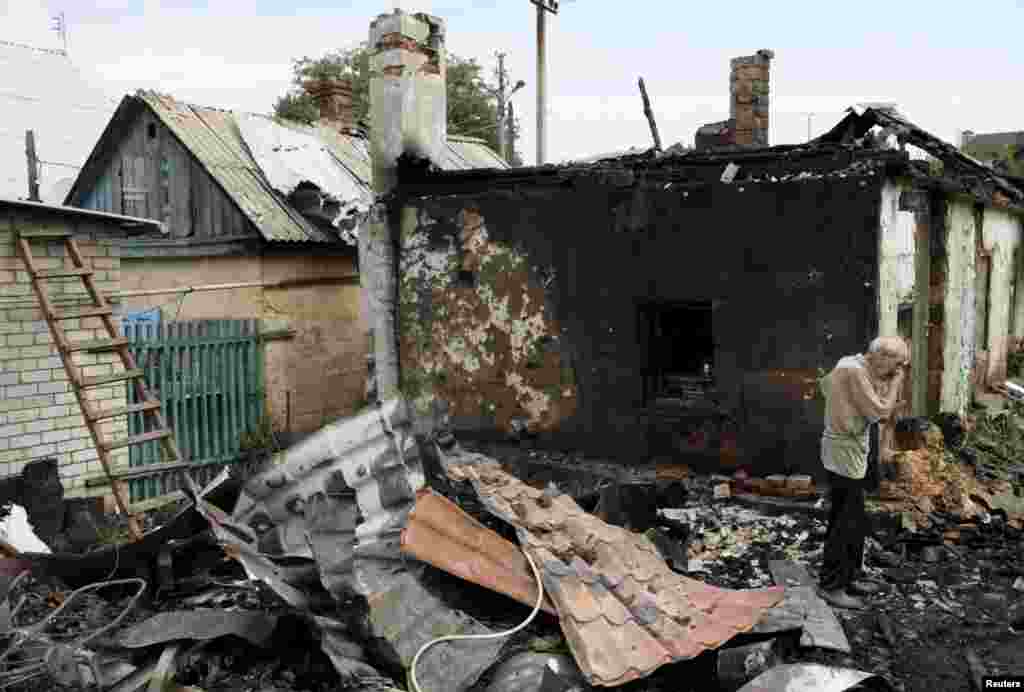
(541,96)
(241,284)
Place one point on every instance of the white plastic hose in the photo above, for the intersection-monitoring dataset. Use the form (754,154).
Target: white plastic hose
(496,635)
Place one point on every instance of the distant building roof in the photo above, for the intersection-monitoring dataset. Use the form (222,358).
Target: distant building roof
(259,160)
(116,219)
(41,90)
(996,139)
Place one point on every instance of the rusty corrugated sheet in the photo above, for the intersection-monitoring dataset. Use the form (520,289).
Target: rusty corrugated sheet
(439,533)
(623,611)
(342,496)
(213,138)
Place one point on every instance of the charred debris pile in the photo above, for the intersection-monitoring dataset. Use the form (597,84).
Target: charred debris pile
(367,557)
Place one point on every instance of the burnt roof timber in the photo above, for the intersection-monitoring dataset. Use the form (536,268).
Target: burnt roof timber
(680,170)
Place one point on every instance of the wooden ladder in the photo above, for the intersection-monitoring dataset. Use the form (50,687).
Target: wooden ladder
(150,405)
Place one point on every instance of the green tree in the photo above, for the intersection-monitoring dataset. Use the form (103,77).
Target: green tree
(472,106)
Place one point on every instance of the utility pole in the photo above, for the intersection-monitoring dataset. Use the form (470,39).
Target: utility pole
(809,116)
(543,6)
(510,123)
(504,139)
(33,166)
(501,106)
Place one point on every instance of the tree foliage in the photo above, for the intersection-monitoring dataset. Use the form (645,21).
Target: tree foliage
(472,104)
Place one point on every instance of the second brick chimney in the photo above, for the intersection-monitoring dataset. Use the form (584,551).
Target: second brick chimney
(334,99)
(749,98)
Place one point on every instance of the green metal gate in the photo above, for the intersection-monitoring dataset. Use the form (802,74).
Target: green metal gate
(208,374)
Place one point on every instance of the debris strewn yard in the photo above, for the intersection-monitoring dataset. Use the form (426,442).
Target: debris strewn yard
(338,564)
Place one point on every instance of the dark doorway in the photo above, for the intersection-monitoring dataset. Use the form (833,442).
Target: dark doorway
(679,338)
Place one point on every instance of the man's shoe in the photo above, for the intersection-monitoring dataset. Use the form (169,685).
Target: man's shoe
(840,599)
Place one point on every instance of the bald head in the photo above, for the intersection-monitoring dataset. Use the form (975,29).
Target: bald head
(891,346)
(886,354)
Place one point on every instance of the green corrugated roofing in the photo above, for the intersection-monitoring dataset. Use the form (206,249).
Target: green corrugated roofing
(213,136)
(214,139)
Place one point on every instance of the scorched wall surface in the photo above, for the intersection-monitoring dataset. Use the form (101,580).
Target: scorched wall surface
(525,305)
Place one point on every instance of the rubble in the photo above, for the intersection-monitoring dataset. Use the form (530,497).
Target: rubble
(17,533)
(952,468)
(532,671)
(337,567)
(802,676)
(741,664)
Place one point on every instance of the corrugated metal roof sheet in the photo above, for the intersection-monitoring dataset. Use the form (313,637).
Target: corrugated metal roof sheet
(624,612)
(441,534)
(42,90)
(342,496)
(289,157)
(226,143)
(470,152)
(214,138)
(116,219)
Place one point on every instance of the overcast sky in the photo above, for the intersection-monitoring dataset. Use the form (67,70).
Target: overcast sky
(949,66)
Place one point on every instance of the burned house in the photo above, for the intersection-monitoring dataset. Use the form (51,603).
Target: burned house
(687,304)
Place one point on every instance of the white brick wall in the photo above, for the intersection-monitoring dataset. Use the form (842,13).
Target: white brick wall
(39,415)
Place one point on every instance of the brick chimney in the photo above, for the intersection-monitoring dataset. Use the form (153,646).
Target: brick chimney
(334,99)
(408,115)
(749,94)
(408,104)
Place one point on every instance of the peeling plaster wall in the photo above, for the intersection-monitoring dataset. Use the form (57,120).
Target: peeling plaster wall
(552,330)
(1001,237)
(323,365)
(896,253)
(488,349)
(959,311)
(1017,321)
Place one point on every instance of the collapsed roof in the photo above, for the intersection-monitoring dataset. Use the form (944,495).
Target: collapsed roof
(856,146)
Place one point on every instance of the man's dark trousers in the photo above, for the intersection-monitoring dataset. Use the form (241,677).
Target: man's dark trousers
(847,528)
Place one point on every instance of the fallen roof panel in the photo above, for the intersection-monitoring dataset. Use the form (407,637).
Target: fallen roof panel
(623,611)
(343,496)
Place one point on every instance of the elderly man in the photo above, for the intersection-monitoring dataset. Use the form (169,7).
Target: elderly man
(852,405)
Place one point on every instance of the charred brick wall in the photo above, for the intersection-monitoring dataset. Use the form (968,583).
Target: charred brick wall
(525,304)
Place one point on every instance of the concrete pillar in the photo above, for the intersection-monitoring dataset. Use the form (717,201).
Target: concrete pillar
(408,115)
(1001,237)
(959,310)
(999,314)
(896,278)
(1018,292)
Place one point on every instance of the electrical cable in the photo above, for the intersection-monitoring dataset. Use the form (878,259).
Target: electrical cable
(496,635)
